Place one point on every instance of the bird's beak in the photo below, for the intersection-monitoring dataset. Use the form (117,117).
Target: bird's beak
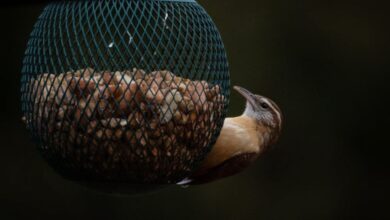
(247,95)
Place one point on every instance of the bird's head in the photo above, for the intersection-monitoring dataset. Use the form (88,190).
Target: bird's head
(265,111)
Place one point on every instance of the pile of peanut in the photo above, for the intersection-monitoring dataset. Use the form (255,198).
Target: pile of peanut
(125,124)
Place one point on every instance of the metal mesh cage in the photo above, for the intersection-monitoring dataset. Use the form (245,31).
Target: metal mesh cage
(125,91)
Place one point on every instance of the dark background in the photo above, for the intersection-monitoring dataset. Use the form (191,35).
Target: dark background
(327,65)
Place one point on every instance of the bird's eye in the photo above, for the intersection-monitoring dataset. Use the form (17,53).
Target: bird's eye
(264,105)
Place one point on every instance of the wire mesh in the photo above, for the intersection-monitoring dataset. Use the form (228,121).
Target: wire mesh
(127,91)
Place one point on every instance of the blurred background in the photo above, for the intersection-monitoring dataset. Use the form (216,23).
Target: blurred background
(326,63)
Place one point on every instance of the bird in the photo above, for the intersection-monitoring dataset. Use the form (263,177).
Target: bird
(241,141)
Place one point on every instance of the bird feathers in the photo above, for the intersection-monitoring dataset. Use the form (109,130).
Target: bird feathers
(227,168)
(242,139)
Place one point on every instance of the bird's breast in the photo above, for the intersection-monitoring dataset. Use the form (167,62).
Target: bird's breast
(238,136)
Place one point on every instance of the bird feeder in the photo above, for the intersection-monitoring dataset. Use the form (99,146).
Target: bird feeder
(125,92)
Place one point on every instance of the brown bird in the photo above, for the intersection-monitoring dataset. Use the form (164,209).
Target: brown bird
(241,141)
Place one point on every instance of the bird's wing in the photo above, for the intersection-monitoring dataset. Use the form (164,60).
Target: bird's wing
(229,167)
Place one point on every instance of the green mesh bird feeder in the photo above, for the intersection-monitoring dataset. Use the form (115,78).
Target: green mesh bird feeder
(125,92)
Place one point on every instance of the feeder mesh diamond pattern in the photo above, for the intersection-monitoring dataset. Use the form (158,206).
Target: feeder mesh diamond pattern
(127,91)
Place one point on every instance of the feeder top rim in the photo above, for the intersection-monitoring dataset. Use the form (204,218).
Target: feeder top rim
(189,1)
(168,0)
(175,0)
